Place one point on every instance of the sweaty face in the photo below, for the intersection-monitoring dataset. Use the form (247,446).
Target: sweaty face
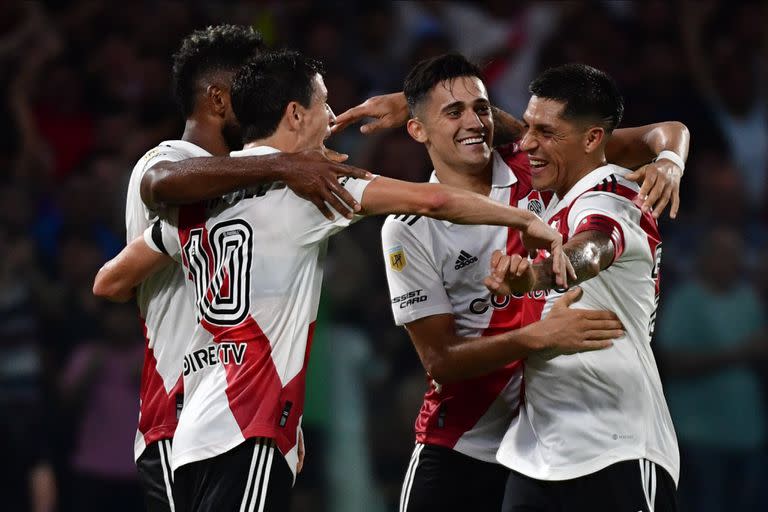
(318,117)
(457,122)
(555,146)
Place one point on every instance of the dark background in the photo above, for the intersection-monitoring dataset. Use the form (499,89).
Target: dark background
(85,90)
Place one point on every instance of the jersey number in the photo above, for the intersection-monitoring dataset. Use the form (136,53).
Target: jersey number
(221,271)
(655,277)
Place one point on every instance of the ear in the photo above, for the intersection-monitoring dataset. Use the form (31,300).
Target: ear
(219,99)
(594,139)
(416,130)
(294,115)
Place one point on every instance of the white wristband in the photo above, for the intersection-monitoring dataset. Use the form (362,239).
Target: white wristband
(672,157)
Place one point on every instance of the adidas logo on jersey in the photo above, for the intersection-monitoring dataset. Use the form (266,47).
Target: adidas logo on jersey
(465,259)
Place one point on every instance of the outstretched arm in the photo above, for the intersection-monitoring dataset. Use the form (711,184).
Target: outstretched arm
(391,111)
(632,147)
(448,357)
(309,174)
(118,277)
(389,196)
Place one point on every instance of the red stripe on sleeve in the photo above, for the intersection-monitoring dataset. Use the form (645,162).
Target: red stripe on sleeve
(605,225)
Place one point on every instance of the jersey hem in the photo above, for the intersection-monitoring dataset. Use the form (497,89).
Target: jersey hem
(153,435)
(581,470)
(451,443)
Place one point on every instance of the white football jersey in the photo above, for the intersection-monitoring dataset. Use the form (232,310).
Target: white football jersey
(254,265)
(165,308)
(436,267)
(586,411)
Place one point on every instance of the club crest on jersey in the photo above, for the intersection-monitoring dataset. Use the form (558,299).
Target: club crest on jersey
(396,258)
(536,206)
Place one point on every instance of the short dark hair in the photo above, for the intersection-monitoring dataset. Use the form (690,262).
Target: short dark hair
(206,52)
(588,93)
(429,72)
(263,88)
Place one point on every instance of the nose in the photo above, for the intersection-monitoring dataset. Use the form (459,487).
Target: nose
(472,120)
(528,142)
(331,115)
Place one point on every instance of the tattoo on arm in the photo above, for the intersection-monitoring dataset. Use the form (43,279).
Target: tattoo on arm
(589,252)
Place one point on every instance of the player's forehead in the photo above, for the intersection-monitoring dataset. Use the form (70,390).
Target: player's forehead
(462,89)
(543,111)
(319,90)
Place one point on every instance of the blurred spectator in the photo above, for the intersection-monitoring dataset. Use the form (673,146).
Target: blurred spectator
(100,385)
(711,331)
(27,474)
(729,74)
(86,89)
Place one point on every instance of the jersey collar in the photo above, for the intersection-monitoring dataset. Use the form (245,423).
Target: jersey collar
(256,151)
(502,177)
(581,186)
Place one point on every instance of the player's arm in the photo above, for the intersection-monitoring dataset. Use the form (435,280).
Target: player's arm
(449,357)
(668,143)
(310,174)
(590,252)
(391,111)
(389,196)
(118,278)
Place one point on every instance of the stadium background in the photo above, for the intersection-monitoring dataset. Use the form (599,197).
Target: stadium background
(85,93)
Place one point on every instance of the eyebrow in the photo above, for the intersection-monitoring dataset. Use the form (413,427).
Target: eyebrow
(460,104)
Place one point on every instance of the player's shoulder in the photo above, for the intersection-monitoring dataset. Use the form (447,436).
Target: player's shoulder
(414,225)
(613,187)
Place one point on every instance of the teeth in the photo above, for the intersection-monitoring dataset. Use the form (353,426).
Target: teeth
(537,163)
(472,140)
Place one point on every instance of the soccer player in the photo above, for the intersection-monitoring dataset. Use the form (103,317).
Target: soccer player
(203,69)
(471,342)
(594,432)
(253,262)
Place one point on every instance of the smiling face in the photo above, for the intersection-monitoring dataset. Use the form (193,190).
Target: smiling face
(318,117)
(456,125)
(560,151)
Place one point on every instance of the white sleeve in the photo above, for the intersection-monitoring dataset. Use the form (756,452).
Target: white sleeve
(609,213)
(309,226)
(163,236)
(415,281)
(137,216)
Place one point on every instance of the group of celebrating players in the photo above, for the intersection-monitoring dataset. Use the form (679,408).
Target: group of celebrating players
(532,405)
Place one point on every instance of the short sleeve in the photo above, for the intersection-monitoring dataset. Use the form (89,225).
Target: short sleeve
(163,236)
(415,282)
(607,213)
(309,226)
(137,215)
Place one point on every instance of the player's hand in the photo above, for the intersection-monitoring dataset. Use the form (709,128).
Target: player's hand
(301,452)
(660,185)
(389,111)
(511,274)
(569,331)
(313,176)
(540,236)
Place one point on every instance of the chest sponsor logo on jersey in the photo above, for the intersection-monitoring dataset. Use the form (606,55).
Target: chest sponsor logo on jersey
(396,258)
(410,298)
(213,354)
(464,260)
(481,304)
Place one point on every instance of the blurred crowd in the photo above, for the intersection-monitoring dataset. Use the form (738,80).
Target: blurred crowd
(85,92)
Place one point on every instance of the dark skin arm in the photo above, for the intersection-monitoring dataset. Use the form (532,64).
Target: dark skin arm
(308,174)
(590,252)
(448,357)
